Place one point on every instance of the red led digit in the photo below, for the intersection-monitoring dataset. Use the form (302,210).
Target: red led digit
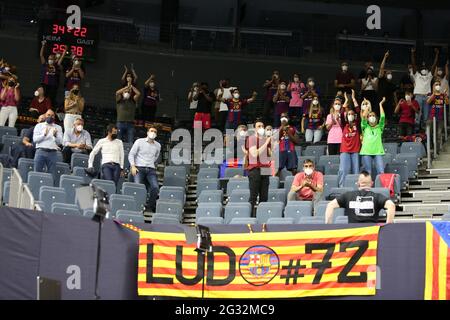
(55,29)
(55,48)
(76,32)
(79,51)
(83,32)
(62,29)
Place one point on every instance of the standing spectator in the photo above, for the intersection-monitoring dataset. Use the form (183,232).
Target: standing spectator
(313,122)
(150,100)
(406,81)
(438,100)
(369,86)
(73,107)
(372,144)
(368,65)
(442,76)
(288,139)
(350,146)
(259,152)
(143,157)
(10,97)
(363,205)
(193,92)
(112,153)
(422,86)
(127,75)
(334,127)
(281,100)
(205,99)
(296,88)
(126,102)
(312,91)
(74,75)
(234,107)
(386,88)
(307,185)
(271,87)
(76,140)
(50,72)
(48,136)
(40,104)
(407,108)
(223,94)
(345,80)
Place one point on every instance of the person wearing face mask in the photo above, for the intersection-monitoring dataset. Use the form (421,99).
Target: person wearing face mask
(40,103)
(234,142)
(369,86)
(386,88)
(345,80)
(288,139)
(437,100)
(9,97)
(223,94)
(372,144)
(307,185)
(150,100)
(48,136)
(205,99)
(129,76)
(193,93)
(362,205)
(407,108)
(73,108)
(126,104)
(143,158)
(334,127)
(50,72)
(271,87)
(112,153)
(422,86)
(281,101)
(312,91)
(235,106)
(406,81)
(258,164)
(442,76)
(74,75)
(76,140)
(296,88)
(313,122)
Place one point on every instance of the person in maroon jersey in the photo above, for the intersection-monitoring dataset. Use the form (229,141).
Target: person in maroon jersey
(235,106)
(407,108)
(287,140)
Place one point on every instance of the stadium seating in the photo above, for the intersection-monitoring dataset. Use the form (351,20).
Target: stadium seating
(138,191)
(311,220)
(70,183)
(8,141)
(277,195)
(172,194)
(80,172)
(274,182)
(208,173)
(319,150)
(232,172)
(79,160)
(237,210)
(210,196)
(65,209)
(164,218)
(7,131)
(121,202)
(391,147)
(170,207)
(280,221)
(237,183)
(38,179)
(49,195)
(297,209)
(61,168)
(341,220)
(208,210)
(107,185)
(24,166)
(207,184)
(329,182)
(209,220)
(127,216)
(243,220)
(267,210)
(239,195)
(351,181)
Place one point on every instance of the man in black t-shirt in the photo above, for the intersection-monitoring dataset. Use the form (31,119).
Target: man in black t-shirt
(363,205)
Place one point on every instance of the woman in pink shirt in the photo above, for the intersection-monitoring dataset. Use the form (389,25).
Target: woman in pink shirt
(9,97)
(296,88)
(333,124)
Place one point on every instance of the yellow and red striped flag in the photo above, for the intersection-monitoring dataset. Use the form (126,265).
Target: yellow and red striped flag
(261,265)
(437,267)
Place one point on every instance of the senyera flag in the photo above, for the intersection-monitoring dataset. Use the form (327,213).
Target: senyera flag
(260,265)
(437,276)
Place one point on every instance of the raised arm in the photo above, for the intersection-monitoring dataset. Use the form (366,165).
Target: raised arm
(61,57)
(413,60)
(253,97)
(124,75)
(150,78)
(41,53)
(137,93)
(383,64)
(436,59)
(135,77)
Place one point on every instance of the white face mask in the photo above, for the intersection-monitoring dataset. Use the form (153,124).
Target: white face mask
(364,106)
(261,131)
(296,79)
(79,128)
(311,83)
(344,68)
(268,133)
(50,62)
(242,133)
(408,98)
(236,95)
(126,95)
(7,69)
(152,84)
(440,73)
(351,118)
(151,135)
(437,88)
(76,62)
(308,171)
(284,119)
(424,72)
(389,76)
(58,56)
(36,93)
(283,86)
(337,107)
(315,102)
(372,119)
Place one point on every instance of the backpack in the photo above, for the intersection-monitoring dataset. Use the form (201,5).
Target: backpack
(387,180)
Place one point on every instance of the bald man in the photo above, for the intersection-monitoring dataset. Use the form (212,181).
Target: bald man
(363,205)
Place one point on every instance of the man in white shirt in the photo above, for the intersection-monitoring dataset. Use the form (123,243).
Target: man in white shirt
(48,137)
(76,140)
(143,157)
(112,155)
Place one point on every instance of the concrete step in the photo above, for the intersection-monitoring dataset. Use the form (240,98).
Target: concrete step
(433,183)
(424,208)
(440,171)
(429,196)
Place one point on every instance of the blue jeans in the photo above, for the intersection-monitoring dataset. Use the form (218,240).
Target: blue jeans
(126,131)
(148,177)
(379,164)
(422,115)
(45,159)
(349,163)
(111,171)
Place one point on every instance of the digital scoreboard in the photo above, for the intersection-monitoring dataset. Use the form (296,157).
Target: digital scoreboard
(82,42)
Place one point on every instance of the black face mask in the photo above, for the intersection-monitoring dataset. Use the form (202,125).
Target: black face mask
(11,83)
(75,92)
(113,136)
(50,120)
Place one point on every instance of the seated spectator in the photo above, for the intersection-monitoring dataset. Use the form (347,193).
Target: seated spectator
(126,101)
(313,122)
(150,99)
(372,144)
(9,97)
(345,80)
(307,185)
(363,205)
(437,100)
(407,108)
(73,107)
(40,104)
(76,140)
(205,99)
(287,140)
(142,157)
(296,88)
(334,126)
(48,137)
(234,106)
(112,153)
(281,101)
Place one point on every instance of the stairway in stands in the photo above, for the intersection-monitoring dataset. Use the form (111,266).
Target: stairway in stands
(428,196)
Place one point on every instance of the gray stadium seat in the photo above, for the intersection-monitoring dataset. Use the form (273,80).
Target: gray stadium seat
(237,210)
(207,184)
(169,207)
(284,174)
(237,183)
(241,195)
(329,182)
(315,151)
(49,195)
(169,194)
(416,148)
(121,202)
(8,141)
(38,179)
(208,210)
(176,171)
(302,159)
(164,218)
(24,166)
(297,209)
(211,173)
(391,148)
(210,196)
(335,192)
(401,169)
(280,221)
(128,217)
(329,160)
(6,189)
(288,183)
(136,190)
(66,209)
(7,131)
(232,172)
(209,220)
(383,191)
(79,160)
(243,220)
(61,168)
(69,183)
(311,220)
(107,185)
(411,162)
(351,181)
(341,220)
(332,169)
(397,185)
(175,181)
(274,182)
(205,165)
(277,195)
(267,210)
(80,172)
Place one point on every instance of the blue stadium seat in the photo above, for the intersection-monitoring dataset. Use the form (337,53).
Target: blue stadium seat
(383,191)
(175,171)
(297,209)
(210,196)
(284,174)
(241,195)
(128,216)
(24,166)
(49,195)
(136,190)
(80,172)
(65,209)
(7,131)
(341,220)
(311,220)
(237,210)
(338,191)
(175,181)
(274,182)
(243,220)
(207,184)
(208,210)
(329,160)
(209,220)
(416,148)
(267,210)
(298,151)
(315,151)
(107,185)
(205,165)
(121,202)
(237,183)
(61,168)
(277,195)
(164,218)
(79,160)
(387,158)
(280,221)
(211,173)
(411,162)
(332,169)
(329,182)
(38,179)
(288,184)
(69,183)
